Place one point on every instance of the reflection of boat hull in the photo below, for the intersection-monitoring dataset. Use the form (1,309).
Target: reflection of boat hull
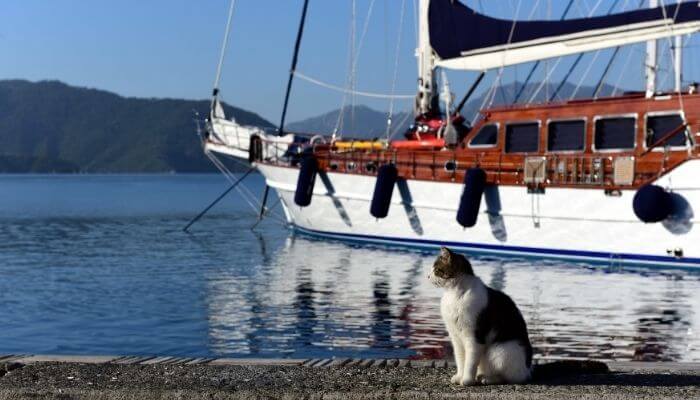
(565,223)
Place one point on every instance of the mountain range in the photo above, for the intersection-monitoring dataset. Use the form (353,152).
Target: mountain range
(49,126)
(52,127)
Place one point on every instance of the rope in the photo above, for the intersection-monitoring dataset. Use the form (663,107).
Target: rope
(497,82)
(224,46)
(400,124)
(538,63)
(556,64)
(353,92)
(491,94)
(681,103)
(229,176)
(242,190)
(355,56)
(396,69)
(580,56)
(351,58)
(623,71)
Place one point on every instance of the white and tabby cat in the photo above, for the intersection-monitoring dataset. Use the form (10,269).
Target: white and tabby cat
(488,333)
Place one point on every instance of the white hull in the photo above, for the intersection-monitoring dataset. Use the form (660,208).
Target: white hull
(230,138)
(576,224)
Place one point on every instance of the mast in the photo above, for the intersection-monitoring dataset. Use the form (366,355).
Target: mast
(678,61)
(426,97)
(293,69)
(652,59)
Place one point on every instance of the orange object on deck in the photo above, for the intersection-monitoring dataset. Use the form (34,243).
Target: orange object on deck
(360,145)
(428,144)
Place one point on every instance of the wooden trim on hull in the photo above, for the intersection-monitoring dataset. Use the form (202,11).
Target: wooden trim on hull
(590,168)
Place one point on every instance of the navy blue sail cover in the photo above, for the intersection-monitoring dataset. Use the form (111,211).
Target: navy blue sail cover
(456,29)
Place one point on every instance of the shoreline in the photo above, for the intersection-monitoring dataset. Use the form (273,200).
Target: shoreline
(111,377)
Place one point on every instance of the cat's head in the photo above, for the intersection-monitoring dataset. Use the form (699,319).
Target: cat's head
(448,267)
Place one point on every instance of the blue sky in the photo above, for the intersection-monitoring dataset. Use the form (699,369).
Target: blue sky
(169,48)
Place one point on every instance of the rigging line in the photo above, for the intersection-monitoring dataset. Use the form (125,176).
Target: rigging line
(497,82)
(295,59)
(405,118)
(491,94)
(545,80)
(230,176)
(353,56)
(606,71)
(218,199)
(224,46)
(348,78)
(355,92)
(616,86)
(396,69)
(534,9)
(247,195)
(681,103)
(415,18)
(585,75)
(556,64)
(355,61)
(590,65)
(538,63)
(356,51)
(580,56)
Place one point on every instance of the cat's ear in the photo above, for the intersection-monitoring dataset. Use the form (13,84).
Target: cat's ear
(445,253)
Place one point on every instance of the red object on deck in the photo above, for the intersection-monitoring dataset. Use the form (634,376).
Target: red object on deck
(428,127)
(428,144)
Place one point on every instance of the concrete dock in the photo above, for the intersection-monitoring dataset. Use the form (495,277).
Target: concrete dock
(104,377)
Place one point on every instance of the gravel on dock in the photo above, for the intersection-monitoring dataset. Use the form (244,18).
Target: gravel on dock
(169,378)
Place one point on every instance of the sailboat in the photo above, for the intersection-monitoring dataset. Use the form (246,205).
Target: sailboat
(604,179)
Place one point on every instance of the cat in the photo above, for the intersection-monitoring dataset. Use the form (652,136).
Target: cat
(488,333)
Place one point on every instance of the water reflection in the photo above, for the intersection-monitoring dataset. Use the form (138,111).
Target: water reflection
(99,265)
(658,321)
(322,299)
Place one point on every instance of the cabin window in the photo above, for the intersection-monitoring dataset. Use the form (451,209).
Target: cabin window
(487,136)
(566,135)
(661,125)
(616,133)
(523,138)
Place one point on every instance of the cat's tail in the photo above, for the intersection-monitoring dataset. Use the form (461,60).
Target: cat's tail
(560,369)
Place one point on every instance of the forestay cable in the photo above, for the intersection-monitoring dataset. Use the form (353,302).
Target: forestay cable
(396,69)
(224,46)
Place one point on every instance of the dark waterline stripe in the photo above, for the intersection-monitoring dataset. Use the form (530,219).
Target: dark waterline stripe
(692,264)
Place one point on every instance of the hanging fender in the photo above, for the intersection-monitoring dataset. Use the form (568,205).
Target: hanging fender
(652,204)
(387,176)
(255,149)
(305,183)
(470,202)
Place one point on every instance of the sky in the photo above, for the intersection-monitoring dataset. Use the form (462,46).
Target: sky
(170,48)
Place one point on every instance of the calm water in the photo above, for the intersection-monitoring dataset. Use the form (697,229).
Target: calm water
(99,265)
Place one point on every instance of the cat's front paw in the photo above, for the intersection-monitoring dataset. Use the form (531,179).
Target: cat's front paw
(468,381)
(456,379)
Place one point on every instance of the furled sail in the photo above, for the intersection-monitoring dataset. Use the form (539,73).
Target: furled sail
(465,39)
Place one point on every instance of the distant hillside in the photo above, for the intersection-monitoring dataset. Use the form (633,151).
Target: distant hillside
(369,124)
(52,127)
(358,122)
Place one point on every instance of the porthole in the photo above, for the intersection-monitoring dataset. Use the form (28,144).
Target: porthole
(451,166)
